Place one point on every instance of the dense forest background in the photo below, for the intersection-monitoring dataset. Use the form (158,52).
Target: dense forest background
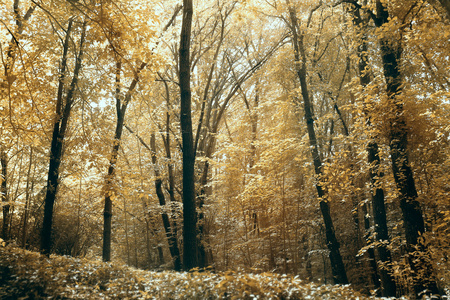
(295,137)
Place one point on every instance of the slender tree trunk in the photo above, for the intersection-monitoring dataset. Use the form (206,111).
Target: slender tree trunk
(28,192)
(371,252)
(121,108)
(202,255)
(59,130)
(388,288)
(109,191)
(171,191)
(391,51)
(171,232)
(171,238)
(190,259)
(4,194)
(171,179)
(337,265)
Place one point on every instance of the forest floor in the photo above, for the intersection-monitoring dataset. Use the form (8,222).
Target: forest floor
(30,275)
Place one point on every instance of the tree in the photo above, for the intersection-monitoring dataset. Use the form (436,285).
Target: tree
(391,51)
(4,194)
(190,258)
(121,107)
(337,265)
(170,230)
(5,92)
(373,157)
(63,109)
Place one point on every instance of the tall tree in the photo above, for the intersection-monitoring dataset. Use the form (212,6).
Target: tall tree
(391,51)
(63,109)
(170,230)
(6,82)
(190,259)
(388,287)
(121,108)
(337,265)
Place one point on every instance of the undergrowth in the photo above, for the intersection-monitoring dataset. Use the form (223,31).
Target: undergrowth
(30,275)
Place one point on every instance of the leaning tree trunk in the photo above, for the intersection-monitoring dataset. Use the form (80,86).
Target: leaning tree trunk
(63,109)
(337,265)
(414,225)
(190,259)
(171,237)
(170,230)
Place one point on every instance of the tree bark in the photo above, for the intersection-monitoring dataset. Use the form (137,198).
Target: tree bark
(337,265)
(63,109)
(190,259)
(414,225)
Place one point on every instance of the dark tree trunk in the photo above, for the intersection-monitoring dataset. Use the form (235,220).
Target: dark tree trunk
(202,255)
(171,232)
(109,192)
(398,143)
(171,238)
(121,108)
(190,259)
(4,195)
(337,265)
(388,287)
(371,251)
(171,184)
(63,109)
(28,192)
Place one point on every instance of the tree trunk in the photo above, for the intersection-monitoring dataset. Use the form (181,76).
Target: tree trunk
(59,130)
(190,259)
(4,195)
(398,140)
(121,108)
(202,257)
(171,238)
(28,192)
(109,191)
(388,287)
(171,232)
(337,265)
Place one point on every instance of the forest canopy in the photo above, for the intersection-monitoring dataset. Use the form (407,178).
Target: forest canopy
(307,138)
